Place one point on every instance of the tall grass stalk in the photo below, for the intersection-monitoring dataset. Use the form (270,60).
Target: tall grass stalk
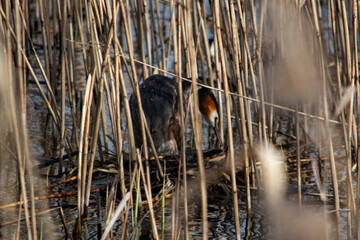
(327,127)
(149,199)
(163,205)
(137,201)
(228,114)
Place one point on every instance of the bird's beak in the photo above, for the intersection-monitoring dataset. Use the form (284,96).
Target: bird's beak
(216,130)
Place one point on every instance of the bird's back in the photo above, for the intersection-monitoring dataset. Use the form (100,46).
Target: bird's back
(159,98)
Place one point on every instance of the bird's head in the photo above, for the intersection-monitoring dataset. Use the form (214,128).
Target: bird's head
(209,109)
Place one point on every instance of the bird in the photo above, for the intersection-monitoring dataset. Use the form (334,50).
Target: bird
(160,101)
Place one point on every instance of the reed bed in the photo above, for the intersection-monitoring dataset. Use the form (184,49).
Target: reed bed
(285,74)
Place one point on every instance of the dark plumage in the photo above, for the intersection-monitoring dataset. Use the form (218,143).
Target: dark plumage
(160,102)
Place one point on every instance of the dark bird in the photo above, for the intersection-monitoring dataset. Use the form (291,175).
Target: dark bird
(161,104)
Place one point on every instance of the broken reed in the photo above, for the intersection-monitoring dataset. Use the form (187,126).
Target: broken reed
(130,40)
